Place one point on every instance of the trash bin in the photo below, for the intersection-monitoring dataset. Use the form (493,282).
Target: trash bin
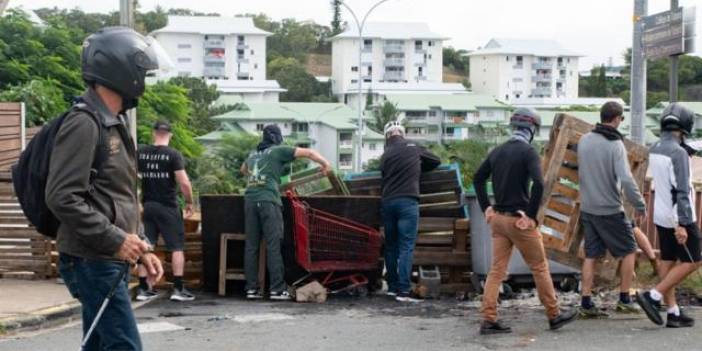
(481,252)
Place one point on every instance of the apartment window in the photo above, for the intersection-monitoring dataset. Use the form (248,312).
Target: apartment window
(252,52)
(183,74)
(506,58)
(418,45)
(354,81)
(354,68)
(255,65)
(367,45)
(519,60)
(430,56)
(517,96)
(517,80)
(430,43)
(184,46)
(371,146)
(450,130)
(419,70)
(259,127)
(240,38)
(184,59)
(432,113)
(506,96)
(300,127)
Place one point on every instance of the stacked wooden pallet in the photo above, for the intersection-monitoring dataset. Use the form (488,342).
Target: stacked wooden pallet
(24,253)
(193,255)
(443,239)
(560,210)
(312,182)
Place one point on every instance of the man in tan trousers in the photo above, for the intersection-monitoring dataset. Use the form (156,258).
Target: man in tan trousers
(513,220)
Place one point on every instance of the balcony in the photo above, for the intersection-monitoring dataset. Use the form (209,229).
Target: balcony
(214,59)
(541,78)
(242,74)
(345,165)
(541,92)
(213,72)
(241,45)
(542,65)
(420,78)
(393,49)
(394,62)
(562,65)
(518,66)
(394,75)
(214,44)
(367,49)
(242,59)
(346,144)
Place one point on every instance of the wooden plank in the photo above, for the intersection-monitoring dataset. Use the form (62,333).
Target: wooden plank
(555,224)
(441,258)
(462,224)
(565,190)
(560,207)
(29,264)
(571,157)
(448,196)
(436,224)
(551,241)
(435,240)
(30,250)
(460,238)
(568,173)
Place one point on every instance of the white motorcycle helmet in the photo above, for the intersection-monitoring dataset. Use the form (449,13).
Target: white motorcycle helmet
(392,127)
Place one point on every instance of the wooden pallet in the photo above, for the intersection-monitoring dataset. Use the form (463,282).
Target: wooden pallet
(312,182)
(560,207)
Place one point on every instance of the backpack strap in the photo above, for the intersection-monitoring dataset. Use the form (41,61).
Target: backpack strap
(101,151)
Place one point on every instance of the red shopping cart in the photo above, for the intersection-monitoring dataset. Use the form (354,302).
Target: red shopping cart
(336,246)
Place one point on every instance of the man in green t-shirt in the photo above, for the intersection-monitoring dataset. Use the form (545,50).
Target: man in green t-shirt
(263,208)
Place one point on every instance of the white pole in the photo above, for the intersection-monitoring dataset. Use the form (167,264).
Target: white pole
(638,74)
(23,129)
(361,126)
(126,18)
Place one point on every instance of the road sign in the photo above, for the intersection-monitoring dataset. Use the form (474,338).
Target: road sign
(665,33)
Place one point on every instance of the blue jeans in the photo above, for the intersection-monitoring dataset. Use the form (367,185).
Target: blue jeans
(400,217)
(90,281)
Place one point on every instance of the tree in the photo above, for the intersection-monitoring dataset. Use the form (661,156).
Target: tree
(469,154)
(336,17)
(202,98)
(301,86)
(165,101)
(372,165)
(233,150)
(209,176)
(43,98)
(456,60)
(382,115)
(369,99)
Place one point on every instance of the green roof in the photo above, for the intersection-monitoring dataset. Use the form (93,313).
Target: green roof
(446,102)
(228,99)
(336,115)
(224,128)
(370,134)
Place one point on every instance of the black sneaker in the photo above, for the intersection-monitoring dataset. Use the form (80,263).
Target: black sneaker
(146,295)
(408,297)
(563,318)
(592,313)
(681,321)
(182,295)
(253,294)
(649,306)
(496,327)
(281,296)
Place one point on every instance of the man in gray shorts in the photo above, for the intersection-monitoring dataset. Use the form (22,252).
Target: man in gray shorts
(603,170)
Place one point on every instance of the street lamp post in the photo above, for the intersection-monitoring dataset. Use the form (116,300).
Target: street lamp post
(361,127)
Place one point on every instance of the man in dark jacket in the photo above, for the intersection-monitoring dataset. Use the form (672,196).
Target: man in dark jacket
(401,165)
(512,219)
(98,209)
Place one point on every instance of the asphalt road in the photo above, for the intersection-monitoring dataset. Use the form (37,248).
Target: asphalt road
(212,324)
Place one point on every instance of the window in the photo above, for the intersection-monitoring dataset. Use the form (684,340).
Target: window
(367,45)
(300,127)
(184,46)
(252,52)
(183,74)
(517,96)
(519,59)
(419,70)
(506,58)
(432,113)
(259,127)
(430,43)
(354,68)
(430,56)
(184,59)
(506,96)
(371,146)
(450,130)
(418,45)
(354,81)
(240,38)
(255,65)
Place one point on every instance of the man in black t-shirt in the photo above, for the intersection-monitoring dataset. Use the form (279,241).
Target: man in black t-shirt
(161,169)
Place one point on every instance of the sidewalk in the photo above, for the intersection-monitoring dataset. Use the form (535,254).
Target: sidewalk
(37,304)
(33,304)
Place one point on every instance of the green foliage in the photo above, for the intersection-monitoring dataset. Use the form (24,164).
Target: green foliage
(233,150)
(165,101)
(456,60)
(369,99)
(202,98)
(301,86)
(336,17)
(372,165)
(43,99)
(469,154)
(210,176)
(383,114)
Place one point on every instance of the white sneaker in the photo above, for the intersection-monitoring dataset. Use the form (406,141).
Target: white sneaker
(146,295)
(405,297)
(182,295)
(253,294)
(281,296)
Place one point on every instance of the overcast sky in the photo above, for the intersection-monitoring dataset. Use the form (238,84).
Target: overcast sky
(598,29)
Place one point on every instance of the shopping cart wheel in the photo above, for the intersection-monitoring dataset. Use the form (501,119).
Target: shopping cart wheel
(569,284)
(360,291)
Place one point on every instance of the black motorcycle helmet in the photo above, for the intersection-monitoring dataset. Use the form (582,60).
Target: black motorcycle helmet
(677,117)
(120,58)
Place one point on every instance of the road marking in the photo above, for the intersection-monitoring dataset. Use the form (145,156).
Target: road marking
(265,317)
(158,327)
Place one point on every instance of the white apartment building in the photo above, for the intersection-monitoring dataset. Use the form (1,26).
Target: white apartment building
(394,57)
(227,51)
(516,70)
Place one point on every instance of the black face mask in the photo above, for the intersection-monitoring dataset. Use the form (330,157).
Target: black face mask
(128,104)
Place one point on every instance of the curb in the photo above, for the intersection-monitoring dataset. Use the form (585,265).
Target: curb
(51,316)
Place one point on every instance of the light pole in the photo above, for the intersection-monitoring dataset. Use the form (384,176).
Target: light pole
(359,131)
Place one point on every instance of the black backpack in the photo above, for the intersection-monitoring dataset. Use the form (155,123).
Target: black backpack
(30,173)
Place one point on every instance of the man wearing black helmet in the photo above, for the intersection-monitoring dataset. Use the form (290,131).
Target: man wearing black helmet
(263,208)
(674,215)
(603,171)
(98,208)
(512,166)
